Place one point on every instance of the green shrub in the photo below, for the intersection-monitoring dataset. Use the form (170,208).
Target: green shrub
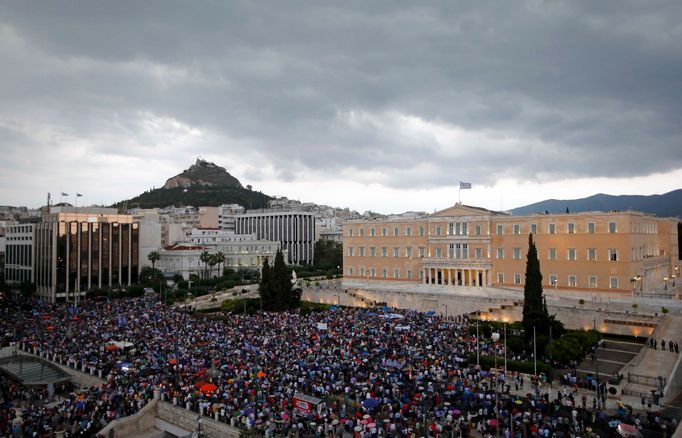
(488,362)
(237,306)
(664,310)
(135,290)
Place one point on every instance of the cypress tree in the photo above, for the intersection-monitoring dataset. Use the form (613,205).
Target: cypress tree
(534,308)
(265,286)
(281,281)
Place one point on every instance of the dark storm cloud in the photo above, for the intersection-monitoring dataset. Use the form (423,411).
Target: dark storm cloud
(400,94)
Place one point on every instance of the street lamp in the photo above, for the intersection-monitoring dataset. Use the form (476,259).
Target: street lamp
(446,310)
(634,281)
(495,338)
(665,282)
(596,364)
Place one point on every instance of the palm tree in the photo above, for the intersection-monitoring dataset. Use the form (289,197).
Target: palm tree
(220,258)
(212,261)
(204,257)
(153,257)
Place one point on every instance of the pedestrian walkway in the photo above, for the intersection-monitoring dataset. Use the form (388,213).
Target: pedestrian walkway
(610,358)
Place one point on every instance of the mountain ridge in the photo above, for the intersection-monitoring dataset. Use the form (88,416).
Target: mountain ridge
(662,205)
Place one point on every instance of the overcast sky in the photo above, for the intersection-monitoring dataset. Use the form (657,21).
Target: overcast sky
(380,105)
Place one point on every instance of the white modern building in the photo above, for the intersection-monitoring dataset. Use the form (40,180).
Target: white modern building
(227,216)
(19,253)
(295,230)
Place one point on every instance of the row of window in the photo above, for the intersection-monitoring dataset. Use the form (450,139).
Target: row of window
(461,251)
(384,251)
(572,281)
(571,254)
(552,228)
(372,272)
(553,280)
(19,229)
(462,229)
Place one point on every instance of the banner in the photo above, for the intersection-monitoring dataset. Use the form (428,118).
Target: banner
(464,185)
(393,364)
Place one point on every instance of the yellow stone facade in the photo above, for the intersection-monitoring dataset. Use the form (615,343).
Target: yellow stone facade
(470,246)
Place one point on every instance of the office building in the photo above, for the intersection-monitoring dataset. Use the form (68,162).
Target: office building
(75,249)
(295,230)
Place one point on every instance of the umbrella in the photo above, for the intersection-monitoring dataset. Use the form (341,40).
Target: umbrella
(370,403)
(111,347)
(518,402)
(628,430)
(209,387)
(172,361)
(260,374)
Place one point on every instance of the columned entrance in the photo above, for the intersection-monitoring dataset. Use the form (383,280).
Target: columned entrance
(475,273)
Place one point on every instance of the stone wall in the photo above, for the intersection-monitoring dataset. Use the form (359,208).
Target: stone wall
(578,317)
(132,424)
(189,420)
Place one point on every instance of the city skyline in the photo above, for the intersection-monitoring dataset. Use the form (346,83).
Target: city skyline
(382,107)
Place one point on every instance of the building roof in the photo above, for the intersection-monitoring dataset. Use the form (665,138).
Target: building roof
(467,210)
(181,247)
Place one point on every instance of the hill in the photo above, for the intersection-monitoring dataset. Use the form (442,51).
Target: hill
(203,184)
(665,205)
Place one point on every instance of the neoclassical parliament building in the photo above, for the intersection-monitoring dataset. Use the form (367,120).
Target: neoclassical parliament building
(462,245)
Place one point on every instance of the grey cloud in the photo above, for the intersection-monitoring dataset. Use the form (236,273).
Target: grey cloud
(583,88)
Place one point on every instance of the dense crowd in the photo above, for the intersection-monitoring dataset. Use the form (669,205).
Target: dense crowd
(377,372)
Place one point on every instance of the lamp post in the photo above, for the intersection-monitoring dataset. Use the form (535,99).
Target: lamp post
(505,349)
(665,283)
(596,365)
(495,338)
(478,361)
(446,310)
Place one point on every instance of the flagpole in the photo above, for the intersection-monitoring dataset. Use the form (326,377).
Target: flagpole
(459,193)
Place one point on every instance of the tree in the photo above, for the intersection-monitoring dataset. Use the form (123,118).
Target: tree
(328,255)
(275,288)
(212,261)
(153,257)
(27,289)
(265,286)
(220,258)
(204,257)
(535,315)
(151,277)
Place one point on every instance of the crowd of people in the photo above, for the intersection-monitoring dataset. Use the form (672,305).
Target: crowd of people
(375,372)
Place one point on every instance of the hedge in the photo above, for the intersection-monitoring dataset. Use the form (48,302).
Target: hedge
(488,362)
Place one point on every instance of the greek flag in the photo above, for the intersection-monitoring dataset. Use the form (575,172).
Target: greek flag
(464,185)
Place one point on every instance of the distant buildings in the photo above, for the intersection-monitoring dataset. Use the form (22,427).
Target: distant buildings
(240,251)
(469,246)
(72,250)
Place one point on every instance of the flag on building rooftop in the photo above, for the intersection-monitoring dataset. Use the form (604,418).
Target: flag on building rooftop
(464,185)
(78,195)
(65,194)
